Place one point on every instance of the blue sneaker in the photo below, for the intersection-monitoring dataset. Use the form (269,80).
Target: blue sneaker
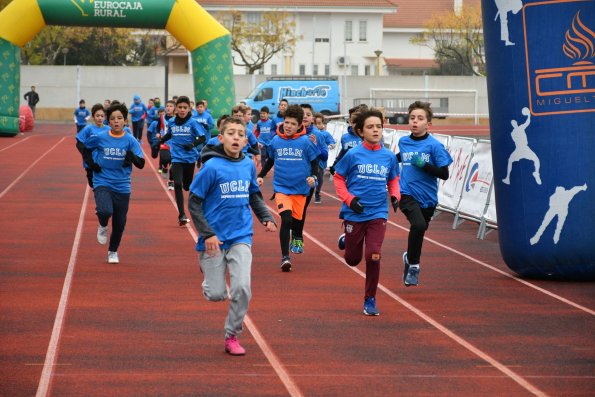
(342,242)
(411,272)
(286,264)
(296,246)
(370,307)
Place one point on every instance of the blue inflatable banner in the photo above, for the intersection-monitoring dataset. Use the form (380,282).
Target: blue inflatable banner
(541,88)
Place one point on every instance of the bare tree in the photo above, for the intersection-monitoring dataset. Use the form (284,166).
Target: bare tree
(254,43)
(457,41)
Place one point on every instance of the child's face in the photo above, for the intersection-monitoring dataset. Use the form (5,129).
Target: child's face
(182,109)
(98,117)
(233,139)
(319,122)
(418,122)
(372,132)
(308,117)
(117,122)
(290,126)
(169,108)
(200,108)
(247,116)
(264,115)
(82,105)
(282,106)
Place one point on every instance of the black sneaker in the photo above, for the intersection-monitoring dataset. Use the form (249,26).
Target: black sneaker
(317,199)
(286,264)
(341,242)
(183,220)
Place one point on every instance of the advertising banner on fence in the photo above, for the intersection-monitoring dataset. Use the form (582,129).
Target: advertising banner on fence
(449,191)
(476,188)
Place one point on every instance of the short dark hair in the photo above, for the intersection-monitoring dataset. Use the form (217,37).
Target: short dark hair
(222,119)
(360,119)
(200,103)
(97,107)
(264,109)
(183,99)
(425,106)
(82,101)
(359,108)
(307,106)
(117,106)
(284,100)
(232,120)
(296,112)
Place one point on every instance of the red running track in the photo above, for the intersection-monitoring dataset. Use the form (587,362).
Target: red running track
(71,325)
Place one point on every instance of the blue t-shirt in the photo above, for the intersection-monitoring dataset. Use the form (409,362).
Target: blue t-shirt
(320,144)
(292,163)
(109,152)
(267,129)
(225,188)
(81,115)
(251,142)
(152,132)
(153,114)
(350,139)
(90,130)
(367,173)
(415,181)
(181,135)
(137,111)
(277,119)
(204,118)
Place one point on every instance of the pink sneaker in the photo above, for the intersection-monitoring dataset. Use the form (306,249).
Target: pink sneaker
(233,347)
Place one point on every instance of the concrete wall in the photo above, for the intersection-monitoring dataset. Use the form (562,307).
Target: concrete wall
(60,87)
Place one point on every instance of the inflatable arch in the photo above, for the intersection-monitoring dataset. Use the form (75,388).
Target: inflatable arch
(206,39)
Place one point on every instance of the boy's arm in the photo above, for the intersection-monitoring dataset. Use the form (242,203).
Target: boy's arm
(260,209)
(438,172)
(267,167)
(315,168)
(198,216)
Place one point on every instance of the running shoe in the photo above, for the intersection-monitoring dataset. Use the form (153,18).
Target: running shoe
(410,272)
(183,220)
(233,347)
(112,257)
(102,234)
(370,306)
(286,264)
(170,185)
(405,265)
(297,246)
(317,199)
(342,242)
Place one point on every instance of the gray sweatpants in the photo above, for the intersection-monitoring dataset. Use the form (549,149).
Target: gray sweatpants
(238,260)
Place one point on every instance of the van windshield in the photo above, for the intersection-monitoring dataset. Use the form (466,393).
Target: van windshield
(253,93)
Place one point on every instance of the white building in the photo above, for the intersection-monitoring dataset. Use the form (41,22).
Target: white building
(341,37)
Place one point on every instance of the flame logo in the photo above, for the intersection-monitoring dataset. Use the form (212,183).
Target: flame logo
(580,43)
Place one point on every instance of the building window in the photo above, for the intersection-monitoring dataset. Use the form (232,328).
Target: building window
(363,30)
(321,40)
(354,70)
(315,70)
(302,70)
(367,70)
(274,69)
(253,17)
(327,70)
(348,30)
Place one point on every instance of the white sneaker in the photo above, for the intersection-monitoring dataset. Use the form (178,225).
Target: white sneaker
(112,257)
(102,234)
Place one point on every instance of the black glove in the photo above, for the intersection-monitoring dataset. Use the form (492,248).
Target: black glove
(188,146)
(331,170)
(128,159)
(394,202)
(356,206)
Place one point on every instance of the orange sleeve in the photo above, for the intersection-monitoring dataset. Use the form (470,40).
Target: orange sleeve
(341,189)
(394,189)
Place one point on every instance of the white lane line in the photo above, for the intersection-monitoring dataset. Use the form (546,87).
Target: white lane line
(14,144)
(52,352)
(495,269)
(278,367)
(28,168)
(484,356)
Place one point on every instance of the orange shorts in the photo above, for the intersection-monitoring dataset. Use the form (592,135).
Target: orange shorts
(294,202)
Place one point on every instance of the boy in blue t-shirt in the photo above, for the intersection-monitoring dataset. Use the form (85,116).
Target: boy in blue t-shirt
(203,117)
(330,143)
(221,196)
(113,153)
(98,126)
(155,131)
(361,180)
(295,158)
(138,112)
(424,159)
(184,134)
(81,115)
(265,130)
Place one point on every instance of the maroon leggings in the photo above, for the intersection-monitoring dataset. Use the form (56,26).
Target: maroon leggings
(372,234)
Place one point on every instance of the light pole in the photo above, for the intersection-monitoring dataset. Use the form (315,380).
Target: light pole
(64,52)
(378,53)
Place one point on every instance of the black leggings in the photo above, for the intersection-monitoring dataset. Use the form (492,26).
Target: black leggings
(182,174)
(286,222)
(109,204)
(137,129)
(419,218)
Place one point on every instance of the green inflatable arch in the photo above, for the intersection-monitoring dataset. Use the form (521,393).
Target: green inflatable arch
(189,23)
